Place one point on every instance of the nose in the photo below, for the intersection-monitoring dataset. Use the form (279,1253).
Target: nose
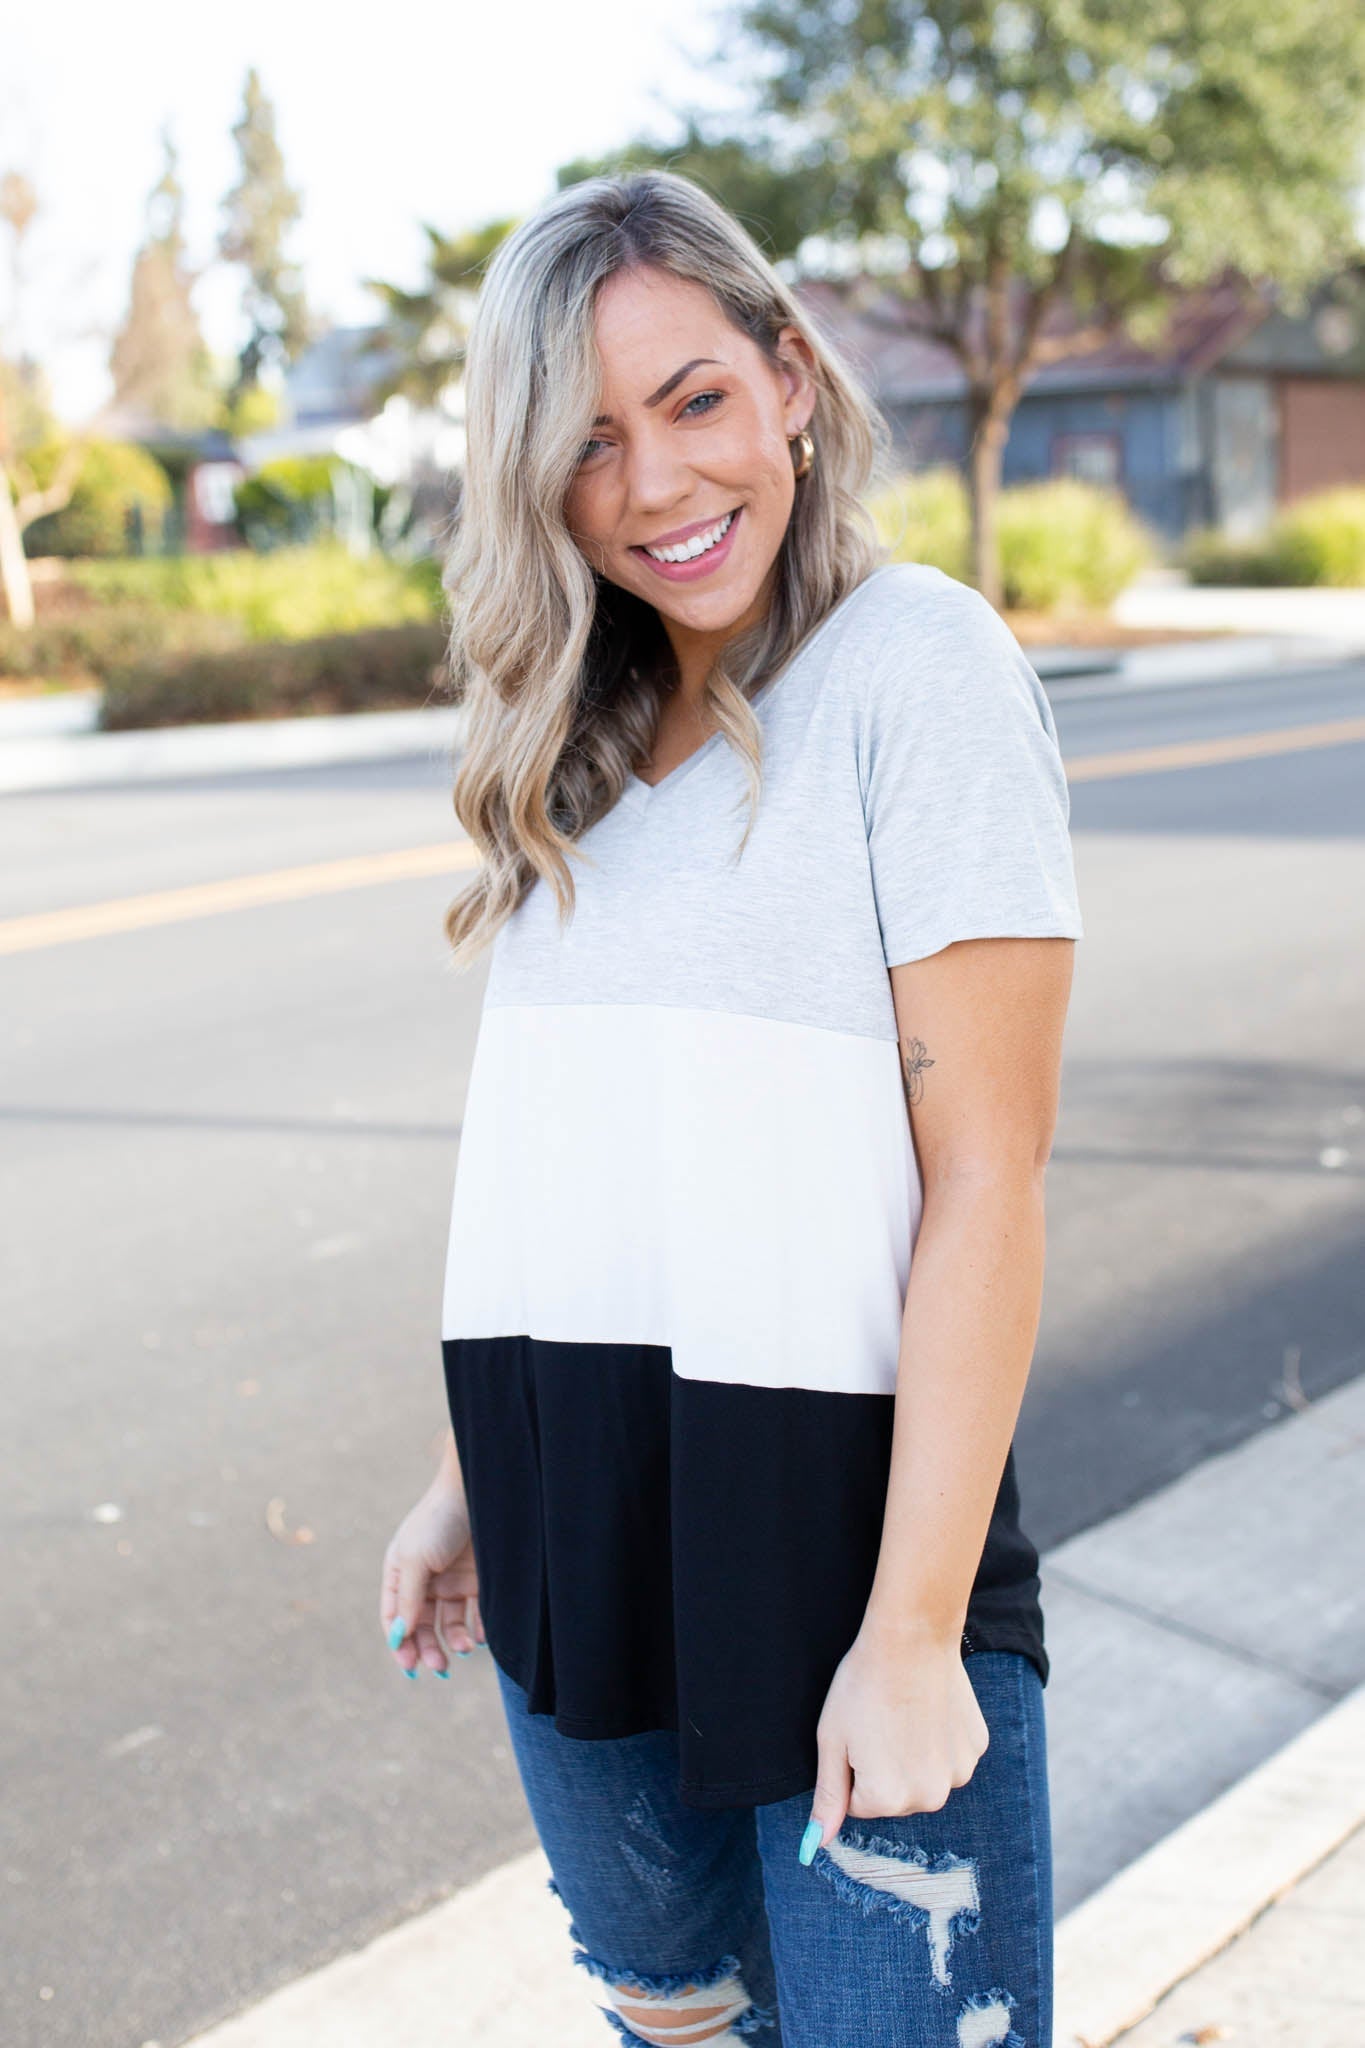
(658,477)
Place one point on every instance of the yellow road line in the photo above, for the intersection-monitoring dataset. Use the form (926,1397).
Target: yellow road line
(238,892)
(320,878)
(1241,746)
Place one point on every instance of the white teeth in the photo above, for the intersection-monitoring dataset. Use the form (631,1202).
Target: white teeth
(688,550)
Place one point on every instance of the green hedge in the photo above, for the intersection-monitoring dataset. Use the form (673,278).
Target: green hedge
(93,642)
(382,668)
(1317,540)
(1211,557)
(290,593)
(1062,542)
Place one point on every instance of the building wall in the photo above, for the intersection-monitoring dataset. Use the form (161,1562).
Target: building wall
(1140,441)
(1128,439)
(1322,434)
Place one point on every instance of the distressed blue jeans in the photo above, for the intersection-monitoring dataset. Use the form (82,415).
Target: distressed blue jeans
(924,1930)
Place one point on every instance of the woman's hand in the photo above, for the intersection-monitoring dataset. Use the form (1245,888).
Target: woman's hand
(429,1597)
(900,1729)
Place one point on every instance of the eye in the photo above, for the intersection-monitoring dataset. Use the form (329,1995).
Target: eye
(717,395)
(585,452)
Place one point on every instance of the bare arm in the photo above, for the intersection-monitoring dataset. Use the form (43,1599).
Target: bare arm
(980,1027)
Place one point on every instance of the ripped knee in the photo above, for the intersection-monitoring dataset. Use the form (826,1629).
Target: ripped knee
(702,2009)
(693,2013)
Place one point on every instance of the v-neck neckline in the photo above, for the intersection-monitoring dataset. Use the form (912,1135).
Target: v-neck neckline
(641,794)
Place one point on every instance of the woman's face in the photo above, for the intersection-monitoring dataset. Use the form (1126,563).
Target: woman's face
(693,432)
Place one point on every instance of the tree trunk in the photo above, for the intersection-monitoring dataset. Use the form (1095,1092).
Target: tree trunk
(14,577)
(990,423)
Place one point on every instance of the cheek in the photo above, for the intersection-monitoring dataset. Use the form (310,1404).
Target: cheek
(585,514)
(773,471)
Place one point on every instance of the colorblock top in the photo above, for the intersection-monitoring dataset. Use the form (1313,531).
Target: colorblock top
(687,1196)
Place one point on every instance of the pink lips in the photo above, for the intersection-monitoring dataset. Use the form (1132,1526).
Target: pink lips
(700,565)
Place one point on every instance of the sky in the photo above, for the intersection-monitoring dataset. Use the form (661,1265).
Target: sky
(463,113)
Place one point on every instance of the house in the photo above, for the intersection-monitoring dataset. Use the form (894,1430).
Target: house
(202,467)
(330,404)
(1240,408)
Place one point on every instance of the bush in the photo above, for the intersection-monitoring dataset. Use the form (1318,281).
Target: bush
(925,518)
(1211,557)
(384,668)
(294,498)
(1317,540)
(294,593)
(113,477)
(91,644)
(1322,539)
(1062,542)
(1067,544)
(272,498)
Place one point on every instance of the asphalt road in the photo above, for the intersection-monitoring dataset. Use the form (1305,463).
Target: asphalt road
(228,1158)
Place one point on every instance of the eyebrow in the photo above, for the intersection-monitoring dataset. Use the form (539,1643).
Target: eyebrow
(670,383)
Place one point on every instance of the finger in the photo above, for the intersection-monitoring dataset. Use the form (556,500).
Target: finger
(390,1600)
(829,1802)
(408,1598)
(431,1653)
(454,1626)
(474,1620)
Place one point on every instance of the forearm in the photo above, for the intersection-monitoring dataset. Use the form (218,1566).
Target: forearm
(448,1472)
(971,1318)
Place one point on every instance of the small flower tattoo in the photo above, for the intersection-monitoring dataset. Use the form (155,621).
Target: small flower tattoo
(914,1059)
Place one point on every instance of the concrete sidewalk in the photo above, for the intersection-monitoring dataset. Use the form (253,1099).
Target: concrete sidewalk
(1206,1729)
(1295,1976)
(1245,1924)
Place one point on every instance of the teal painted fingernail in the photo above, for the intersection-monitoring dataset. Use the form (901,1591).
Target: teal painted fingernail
(464,1653)
(443,1674)
(411,1670)
(810,1841)
(397,1632)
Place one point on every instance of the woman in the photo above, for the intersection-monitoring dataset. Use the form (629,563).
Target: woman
(729,1492)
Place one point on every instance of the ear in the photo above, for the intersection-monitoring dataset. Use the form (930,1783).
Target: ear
(798,378)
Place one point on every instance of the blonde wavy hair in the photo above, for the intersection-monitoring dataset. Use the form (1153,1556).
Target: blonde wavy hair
(562,673)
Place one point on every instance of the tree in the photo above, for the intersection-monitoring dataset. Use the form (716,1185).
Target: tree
(1037,176)
(261,208)
(425,331)
(159,362)
(27,425)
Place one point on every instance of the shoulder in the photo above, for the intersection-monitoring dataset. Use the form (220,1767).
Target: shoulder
(936,646)
(925,613)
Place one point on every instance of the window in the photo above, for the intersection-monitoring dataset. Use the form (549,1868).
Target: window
(1096,458)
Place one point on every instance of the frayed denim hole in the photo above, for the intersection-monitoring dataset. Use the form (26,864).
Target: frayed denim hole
(754,2019)
(942,1926)
(745,2026)
(983,2002)
(658,1986)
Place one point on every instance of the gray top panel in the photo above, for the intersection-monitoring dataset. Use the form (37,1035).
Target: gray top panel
(913,794)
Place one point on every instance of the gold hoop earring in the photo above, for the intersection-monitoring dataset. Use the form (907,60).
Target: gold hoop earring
(804,442)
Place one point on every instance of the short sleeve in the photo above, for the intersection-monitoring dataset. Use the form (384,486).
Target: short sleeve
(965,795)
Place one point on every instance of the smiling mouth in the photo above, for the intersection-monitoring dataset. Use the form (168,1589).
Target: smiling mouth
(691,550)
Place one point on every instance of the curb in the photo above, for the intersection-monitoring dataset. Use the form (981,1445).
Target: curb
(1160,1919)
(82,759)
